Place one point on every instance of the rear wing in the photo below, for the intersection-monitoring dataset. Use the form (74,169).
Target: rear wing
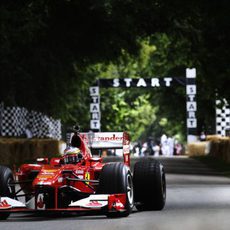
(108,140)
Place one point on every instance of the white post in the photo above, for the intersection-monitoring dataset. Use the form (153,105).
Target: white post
(191,105)
(95,123)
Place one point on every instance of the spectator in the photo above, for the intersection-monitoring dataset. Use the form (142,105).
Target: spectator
(178,148)
(171,145)
(164,145)
(202,136)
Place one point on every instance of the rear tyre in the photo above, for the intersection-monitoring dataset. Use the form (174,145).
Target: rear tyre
(149,185)
(6,178)
(117,178)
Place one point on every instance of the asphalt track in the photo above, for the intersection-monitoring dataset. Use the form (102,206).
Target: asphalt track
(198,198)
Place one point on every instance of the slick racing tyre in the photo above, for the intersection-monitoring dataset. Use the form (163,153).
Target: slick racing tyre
(6,177)
(117,178)
(149,185)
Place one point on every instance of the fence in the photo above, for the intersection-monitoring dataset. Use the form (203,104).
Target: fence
(20,122)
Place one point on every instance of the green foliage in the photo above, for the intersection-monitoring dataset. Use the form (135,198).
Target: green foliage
(52,51)
(141,111)
(121,115)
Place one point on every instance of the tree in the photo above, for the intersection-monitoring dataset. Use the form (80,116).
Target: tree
(51,51)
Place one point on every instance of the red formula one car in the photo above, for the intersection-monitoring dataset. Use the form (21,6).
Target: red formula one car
(77,181)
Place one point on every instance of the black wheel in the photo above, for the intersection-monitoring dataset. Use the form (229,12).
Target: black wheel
(6,177)
(117,178)
(149,185)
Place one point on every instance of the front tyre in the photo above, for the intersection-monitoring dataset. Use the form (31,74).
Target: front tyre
(149,185)
(116,178)
(6,190)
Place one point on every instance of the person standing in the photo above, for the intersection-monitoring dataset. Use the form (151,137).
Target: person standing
(164,144)
(171,145)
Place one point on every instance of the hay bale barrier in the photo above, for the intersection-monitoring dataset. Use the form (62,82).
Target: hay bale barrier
(220,148)
(214,146)
(16,151)
(197,148)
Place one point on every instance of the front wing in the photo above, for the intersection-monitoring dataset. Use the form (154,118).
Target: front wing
(104,203)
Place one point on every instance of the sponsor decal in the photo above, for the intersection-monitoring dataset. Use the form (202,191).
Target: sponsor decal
(117,202)
(42,176)
(110,138)
(118,205)
(94,203)
(87,177)
(48,172)
(4,205)
(44,183)
(105,139)
(40,202)
(79,171)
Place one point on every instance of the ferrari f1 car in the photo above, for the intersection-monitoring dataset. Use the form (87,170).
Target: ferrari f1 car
(79,182)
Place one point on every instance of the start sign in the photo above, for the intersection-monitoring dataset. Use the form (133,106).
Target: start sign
(153,82)
(139,82)
(95,108)
(191,105)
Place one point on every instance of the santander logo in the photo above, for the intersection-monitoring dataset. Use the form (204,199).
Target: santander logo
(4,205)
